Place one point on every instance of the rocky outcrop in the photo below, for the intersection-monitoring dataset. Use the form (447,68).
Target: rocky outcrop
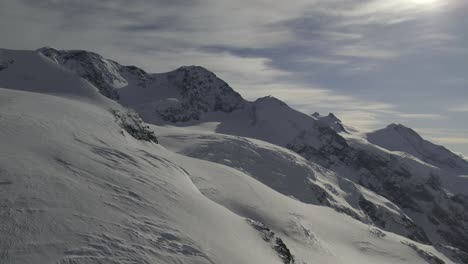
(331,147)
(131,122)
(5,64)
(428,256)
(276,242)
(102,73)
(417,193)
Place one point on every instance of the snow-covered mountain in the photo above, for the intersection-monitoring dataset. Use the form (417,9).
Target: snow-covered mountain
(84,180)
(396,137)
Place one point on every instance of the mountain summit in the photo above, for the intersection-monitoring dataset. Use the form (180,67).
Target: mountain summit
(397,137)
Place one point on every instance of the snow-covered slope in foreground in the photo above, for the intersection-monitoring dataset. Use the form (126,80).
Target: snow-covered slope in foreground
(77,190)
(76,187)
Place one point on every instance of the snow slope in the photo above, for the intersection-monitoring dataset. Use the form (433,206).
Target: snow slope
(33,72)
(390,189)
(291,175)
(75,190)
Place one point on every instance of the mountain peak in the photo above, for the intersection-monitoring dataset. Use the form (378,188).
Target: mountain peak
(269,99)
(45,49)
(197,91)
(404,131)
(193,68)
(330,120)
(102,73)
(69,54)
(329,116)
(397,137)
(395,126)
(196,71)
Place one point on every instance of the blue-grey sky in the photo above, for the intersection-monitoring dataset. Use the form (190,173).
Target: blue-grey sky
(371,62)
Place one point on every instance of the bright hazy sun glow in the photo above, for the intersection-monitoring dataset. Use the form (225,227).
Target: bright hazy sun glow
(424,2)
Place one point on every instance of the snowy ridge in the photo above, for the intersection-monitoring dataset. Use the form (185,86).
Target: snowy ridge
(103,73)
(331,121)
(181,95)
(231,181)
(397,137)
(30,71)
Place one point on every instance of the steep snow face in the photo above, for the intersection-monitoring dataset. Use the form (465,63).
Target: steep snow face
(272,120)
(397,137)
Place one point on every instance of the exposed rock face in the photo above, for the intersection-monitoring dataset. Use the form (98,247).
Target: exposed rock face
(454,253)
(4,64)
(330,121)
(275,241)
(132,123)
(419,194)
(429,257)
(201,91)
(332,145)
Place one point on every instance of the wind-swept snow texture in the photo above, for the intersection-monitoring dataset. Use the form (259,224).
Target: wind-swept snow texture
(83,180)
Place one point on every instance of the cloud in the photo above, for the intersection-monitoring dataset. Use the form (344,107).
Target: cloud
(360,51)
(453,138)
(324,60)
(459,108)
(420,116)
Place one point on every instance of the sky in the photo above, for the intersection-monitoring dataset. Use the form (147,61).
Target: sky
(371,62)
